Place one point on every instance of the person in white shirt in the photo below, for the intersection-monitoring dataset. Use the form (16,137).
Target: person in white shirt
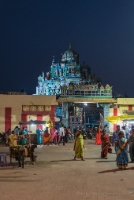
(123,130)
(62,135)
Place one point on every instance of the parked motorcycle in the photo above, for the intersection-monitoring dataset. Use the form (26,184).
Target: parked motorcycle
(89,135)
(84,133)
(84,136)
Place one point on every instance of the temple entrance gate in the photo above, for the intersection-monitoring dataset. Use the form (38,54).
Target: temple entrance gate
(84,114)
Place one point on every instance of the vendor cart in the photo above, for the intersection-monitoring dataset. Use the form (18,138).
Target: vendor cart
(19,152)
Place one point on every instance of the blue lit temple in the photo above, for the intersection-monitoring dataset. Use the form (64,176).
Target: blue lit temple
(70,78)
(73,84)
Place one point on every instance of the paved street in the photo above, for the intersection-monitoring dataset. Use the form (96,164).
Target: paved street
(56,176)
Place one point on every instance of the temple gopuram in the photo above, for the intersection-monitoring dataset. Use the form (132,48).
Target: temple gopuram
(70,78)
(80,94)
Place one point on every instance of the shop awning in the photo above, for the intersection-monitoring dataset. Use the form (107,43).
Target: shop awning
(36,122)
(115,119)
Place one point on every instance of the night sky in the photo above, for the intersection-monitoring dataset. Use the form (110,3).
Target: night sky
(33,31)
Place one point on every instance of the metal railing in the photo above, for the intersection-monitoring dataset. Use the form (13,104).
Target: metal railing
(86,93)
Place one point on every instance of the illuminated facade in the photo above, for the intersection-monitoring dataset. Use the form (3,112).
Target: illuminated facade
(70,78)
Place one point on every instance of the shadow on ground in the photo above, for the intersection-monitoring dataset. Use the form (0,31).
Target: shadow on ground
(105,161)
(93,158)
(115,170)
(64,160)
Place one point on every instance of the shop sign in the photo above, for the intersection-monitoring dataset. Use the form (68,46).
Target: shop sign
(35,108)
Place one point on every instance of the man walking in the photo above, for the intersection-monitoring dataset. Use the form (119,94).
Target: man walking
(62,134)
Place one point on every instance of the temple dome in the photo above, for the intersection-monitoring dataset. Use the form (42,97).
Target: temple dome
(70,55)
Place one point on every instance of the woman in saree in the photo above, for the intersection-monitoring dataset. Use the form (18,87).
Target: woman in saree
(56,136)
(79,146)
(98,137)
(122,154)
(105,144)
(47,137)
(131,145)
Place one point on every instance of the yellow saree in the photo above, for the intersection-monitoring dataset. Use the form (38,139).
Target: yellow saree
(79,145)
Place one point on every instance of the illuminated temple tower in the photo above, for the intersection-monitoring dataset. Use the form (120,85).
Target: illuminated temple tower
(70,78)
(60,75)
(72,82)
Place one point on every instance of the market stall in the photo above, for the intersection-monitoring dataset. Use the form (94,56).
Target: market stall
(38,136)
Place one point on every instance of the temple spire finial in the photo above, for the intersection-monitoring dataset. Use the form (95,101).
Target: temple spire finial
(53,60)
(70,45)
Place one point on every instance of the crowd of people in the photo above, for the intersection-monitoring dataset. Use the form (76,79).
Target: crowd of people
(62,134)
(23,136)
(122,140)
(16,137)
(4,136)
